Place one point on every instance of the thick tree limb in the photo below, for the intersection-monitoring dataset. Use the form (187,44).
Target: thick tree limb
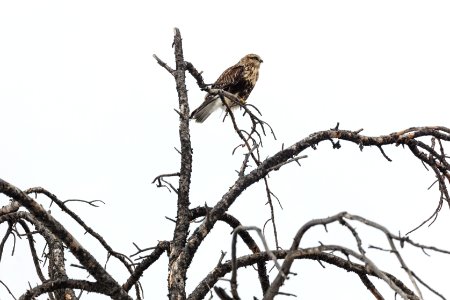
(121,257)
(315,253)
(236,231)
(246,238)
(177,264)
(54,285)
(11,207)
(47,221)
(145,264)
(396,138)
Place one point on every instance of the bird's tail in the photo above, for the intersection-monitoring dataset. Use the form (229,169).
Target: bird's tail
(206,108)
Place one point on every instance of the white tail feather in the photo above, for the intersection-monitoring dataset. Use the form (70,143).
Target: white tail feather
(206,109)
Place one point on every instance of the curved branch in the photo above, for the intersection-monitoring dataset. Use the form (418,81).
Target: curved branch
(279,280)
(47,221)
(54,285)
(33,249)
(310,253)
(121,257)
(246,238)
(5,238)
(11,207)
(9,291)
(285,268)
(143,265)
(56,250)
(233,281)
(395,138)
(19,217)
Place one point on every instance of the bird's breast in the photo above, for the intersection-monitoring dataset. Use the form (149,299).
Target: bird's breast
(251,74)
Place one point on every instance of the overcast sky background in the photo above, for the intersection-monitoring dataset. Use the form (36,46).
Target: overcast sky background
(87,113)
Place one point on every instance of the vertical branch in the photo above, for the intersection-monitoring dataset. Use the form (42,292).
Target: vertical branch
(57,269)
(5,238)
(178,265)
(33,249)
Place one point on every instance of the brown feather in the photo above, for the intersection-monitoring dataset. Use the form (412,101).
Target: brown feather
(229,77)
(239,80)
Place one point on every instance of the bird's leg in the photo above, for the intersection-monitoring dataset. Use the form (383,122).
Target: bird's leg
(206,87)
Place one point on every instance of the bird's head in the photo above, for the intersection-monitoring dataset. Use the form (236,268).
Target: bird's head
(253,59)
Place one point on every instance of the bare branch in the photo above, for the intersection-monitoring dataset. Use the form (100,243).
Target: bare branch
(139,250)
(33,250)
(428,287)
(425,143)
(13,206)
(423,247)
(90,202)
(369,285)
(384,154)
(164,65)
(285,268)
(178,267)
(121,257)
(222,294)
(47,221)
(295,159)
(5,238)
(279,280)
(7,288)
(272,212)
(315,253)
(233,281)
(54,285)
(145,264)
(392,245)
(161,182)
(248,240)
(197,75)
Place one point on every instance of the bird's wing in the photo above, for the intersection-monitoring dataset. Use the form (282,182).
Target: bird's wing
(229,77)
(211,103)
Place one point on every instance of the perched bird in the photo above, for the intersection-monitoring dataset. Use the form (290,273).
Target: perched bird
(238,80)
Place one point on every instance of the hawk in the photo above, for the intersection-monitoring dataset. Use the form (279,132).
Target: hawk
(238,80)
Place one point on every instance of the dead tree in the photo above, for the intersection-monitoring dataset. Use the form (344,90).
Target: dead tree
(22,212)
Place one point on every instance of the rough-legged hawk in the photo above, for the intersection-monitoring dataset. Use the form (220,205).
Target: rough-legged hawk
(238,80)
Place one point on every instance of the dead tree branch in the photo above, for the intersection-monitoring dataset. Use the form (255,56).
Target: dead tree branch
(315,253)
(126,261)
(184,244)
(285,268)
(236,231)
(13,206)
(396,138)
(47,221)
(246,238)
(177,265)
(33,249)
(54,285)
(145,264)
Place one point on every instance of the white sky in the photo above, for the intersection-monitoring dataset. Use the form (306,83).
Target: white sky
(87,113)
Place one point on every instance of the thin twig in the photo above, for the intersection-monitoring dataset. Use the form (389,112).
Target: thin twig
(7,288)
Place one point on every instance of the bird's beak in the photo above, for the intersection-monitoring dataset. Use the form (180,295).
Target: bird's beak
(260,60)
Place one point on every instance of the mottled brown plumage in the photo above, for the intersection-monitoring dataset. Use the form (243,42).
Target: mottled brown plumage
(238,80)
